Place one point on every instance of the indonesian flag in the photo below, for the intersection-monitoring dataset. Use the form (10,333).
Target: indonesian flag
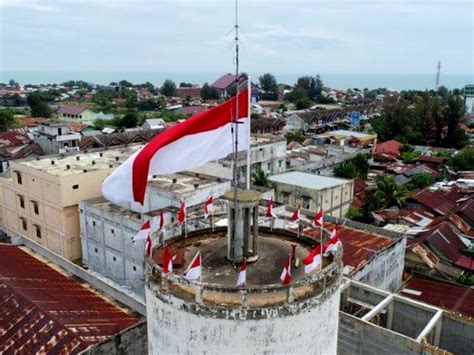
(204,137)
(182,212)
(318,219)
(208,207)
(148,245)
(296,215)
(194,270)
(162,220)
(242,279)
(313,260)
(333,243)
(144,231)
(285,276)
(270,212)
(167,262)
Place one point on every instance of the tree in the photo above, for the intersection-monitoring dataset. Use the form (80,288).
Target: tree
(13,83)
(209,92)
(421,180)
(355,214)
(453,112)
(7,120)
(169,88)
(464,160)
(303,103)
(269,85)
(297,136)
(129,120)
(38,105)
(125,83)
(185,85)
(389,192)
(356,167)
(260,179)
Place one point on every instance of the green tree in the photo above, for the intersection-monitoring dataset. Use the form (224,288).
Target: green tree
(38,105)
(209,92)
(420,181)
(464,160)
(356,167)
(390,193)
(129,120)
(303,103)
(7,120)
(355,214)
(454,112)
(410,157)
(185,85)
(297,136)
(269,84)
(169,88)
(260,179)
(125,83)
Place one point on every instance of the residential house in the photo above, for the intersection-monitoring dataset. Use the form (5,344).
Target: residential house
(56,137)
(153,123)
(16,145)
(224,84)
(190,111)
(77,113)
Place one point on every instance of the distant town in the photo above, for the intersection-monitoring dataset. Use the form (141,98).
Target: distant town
(393,170)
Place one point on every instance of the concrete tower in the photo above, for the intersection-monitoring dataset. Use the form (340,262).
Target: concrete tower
(213,316)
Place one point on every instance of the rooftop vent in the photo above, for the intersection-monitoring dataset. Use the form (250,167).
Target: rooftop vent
(101,155)
(175,181)
(52,162)
(68,167)
(111,165)
(85,170)
(78,157)
(117,158)
(93,162)
(196,186)
(155,176)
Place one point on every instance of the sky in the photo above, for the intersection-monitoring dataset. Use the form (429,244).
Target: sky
(334,36)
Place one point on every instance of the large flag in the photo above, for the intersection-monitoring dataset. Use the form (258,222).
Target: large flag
(333,243)
(285,276)
(270,212)
(208,207)
(242,279)
(182,212)
(167,262)
(204,137)
(318,219)
(296,215)
(194,270)
(313,260)
(144,231)
(148,246)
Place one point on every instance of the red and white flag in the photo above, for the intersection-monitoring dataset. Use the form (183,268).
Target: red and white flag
(313,260)
(148,246)
(333,243)
(167,262)
(285,276)
(204,137)
(144,231)
(208,207)
(162,220)
(182,212)
(296,215)
(270,212)
(242,279)
(318,219)
(194,270)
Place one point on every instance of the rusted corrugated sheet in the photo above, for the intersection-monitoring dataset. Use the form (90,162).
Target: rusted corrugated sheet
(42,310)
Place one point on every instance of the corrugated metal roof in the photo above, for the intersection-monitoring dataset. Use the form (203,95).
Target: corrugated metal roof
(307,180)
(43,311)
(454,298)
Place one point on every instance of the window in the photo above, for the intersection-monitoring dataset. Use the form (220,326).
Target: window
(134,268)
(305,203)
(95,249)
(93,223)
(172,219)
(286,198)
(18,178)
(114,258)
(60,132)
(35,207)
(38,231)
(280,163)
(24,224)
(75,187)
(269,167)
(112,231)
(22,201)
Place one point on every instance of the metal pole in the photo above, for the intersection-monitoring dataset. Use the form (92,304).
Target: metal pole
(249,88)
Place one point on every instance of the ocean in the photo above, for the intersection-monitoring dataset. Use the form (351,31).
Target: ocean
(334,80)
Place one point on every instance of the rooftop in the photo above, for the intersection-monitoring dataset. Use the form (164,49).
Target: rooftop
(307,180)
(347,134)
(77,163)
(44,311)
(71,110)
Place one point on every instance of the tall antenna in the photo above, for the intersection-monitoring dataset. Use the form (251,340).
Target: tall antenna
(438,74)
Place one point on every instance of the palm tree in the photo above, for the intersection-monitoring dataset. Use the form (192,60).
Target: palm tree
(260,179)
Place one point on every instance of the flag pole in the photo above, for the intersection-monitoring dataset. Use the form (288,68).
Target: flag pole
(321,229)
(249,89)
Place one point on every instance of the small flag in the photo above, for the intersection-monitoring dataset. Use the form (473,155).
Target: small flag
(208,207)
(296,215)
(167,262)
(333,243)
(194,270)
(242,279)
(144,231)
(148,246)
(285,276)
(182,212)
(270,212)
(162,220)
(313,260)
(318,219)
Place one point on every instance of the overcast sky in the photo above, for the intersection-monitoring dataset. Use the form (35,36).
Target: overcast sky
(352,36)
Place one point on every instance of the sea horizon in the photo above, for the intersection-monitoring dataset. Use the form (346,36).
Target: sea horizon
(394,81)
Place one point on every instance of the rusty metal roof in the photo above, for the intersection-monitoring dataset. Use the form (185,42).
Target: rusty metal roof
(454,298)
(43,311)
(359,246)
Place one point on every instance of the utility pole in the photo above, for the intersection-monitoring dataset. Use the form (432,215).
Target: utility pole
(438,74)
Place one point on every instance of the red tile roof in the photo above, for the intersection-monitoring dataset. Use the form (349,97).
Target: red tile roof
(13,139)
(71,110)
(359,185)
(427,159)
(465,262)
(192,110)
(359,246)
(438,201)
(454,298)
(43,311)
(33,121)
(224,81)
(389,147)
(76,127)
(192,91)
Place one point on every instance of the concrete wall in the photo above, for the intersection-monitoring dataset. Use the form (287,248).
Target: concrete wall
(174,329)
(457,335)
(132,340)
(358,337)
(409,319)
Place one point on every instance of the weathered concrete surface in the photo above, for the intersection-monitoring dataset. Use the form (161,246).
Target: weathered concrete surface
(457,335)
(130,341)
(409,319)
(172,330)
(359,337)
